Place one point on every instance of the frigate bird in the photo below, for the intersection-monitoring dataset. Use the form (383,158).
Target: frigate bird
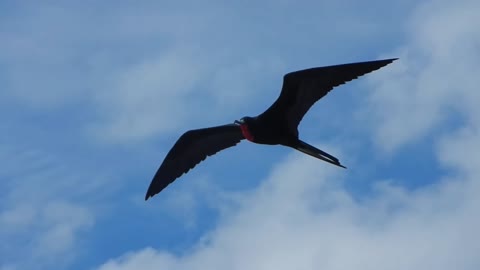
(278,125)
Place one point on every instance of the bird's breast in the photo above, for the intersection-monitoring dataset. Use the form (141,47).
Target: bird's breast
(267,134)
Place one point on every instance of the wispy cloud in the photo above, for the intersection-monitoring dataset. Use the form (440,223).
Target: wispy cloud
(42,211)
(310,223)
(301,217)
(435,77)
(139,71)
(77,77)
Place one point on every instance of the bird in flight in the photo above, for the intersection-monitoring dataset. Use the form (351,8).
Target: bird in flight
(278,125)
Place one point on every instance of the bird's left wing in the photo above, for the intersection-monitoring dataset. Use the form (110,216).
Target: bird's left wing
(191,148)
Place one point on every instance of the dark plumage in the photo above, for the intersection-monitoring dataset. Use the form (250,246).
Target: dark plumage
(278,125)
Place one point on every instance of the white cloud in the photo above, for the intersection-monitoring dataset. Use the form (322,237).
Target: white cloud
(46,233)
(128,65)
(301,217)
(141,72)
(458,150)
(41,217)
(437,74)
(17,218)
(169,92)
(62,222)
(297,220)
(148,98)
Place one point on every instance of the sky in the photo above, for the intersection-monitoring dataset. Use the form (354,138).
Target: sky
(94,94)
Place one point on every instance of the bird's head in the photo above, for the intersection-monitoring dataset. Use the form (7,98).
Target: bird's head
(243,120)
(244,124)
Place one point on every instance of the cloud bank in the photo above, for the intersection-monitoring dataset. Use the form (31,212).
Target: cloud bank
(88,75)
(301,217)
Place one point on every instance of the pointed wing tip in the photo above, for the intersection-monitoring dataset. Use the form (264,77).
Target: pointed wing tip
(385,61)
(150,193)
(382,63)
(388,61)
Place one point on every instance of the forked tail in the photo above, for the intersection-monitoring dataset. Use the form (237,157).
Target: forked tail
(317,153)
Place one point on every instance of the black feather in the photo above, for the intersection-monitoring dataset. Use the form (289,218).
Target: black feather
(191,148)
(301,89)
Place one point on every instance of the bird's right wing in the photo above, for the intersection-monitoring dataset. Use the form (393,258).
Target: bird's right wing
(301,89)
(191,148)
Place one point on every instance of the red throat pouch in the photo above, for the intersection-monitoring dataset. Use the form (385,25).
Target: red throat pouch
(246,133)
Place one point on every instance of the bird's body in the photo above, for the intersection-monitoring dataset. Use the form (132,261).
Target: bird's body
(261,131)
(278,125)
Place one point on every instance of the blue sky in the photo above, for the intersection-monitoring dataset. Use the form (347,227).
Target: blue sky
(94,95)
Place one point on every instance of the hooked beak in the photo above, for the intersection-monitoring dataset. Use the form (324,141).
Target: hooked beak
(238,122)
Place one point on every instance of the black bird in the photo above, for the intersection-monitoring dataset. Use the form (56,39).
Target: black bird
(276,126)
